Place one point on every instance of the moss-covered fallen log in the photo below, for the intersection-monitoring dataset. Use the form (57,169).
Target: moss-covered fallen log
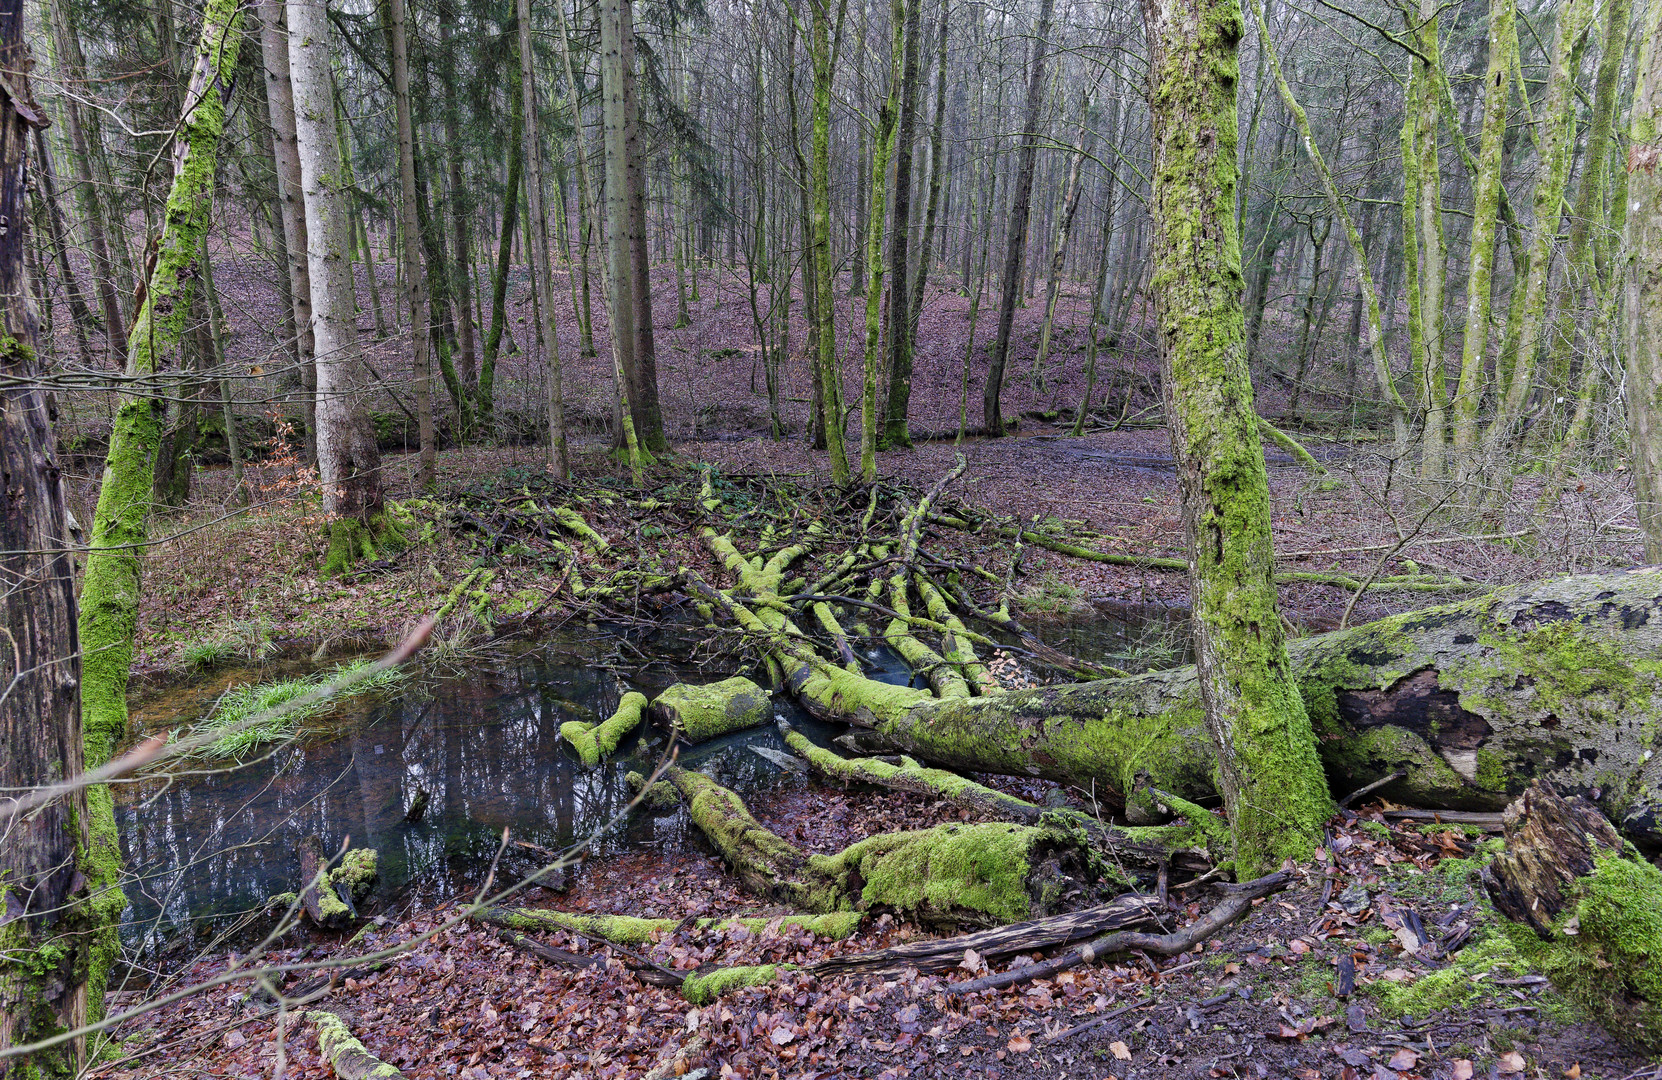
(701,712)
(629,930)
(594,741)
(951,875)
(1471,701)
(344,1053)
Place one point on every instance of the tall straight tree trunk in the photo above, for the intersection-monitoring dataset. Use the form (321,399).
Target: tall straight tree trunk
(900,228)
(1423,172)
(623,340)
(1059,246)
(1643,246)
(626,182)
(882,146)
(1274,790)
(79,314)
(46,949)
(937,178)
(415,282)
(541,262)
(504,256)
(1497,93)
(348,460)
(280,103)
(829,374)
(110,583)
(460,204)
(1015,237)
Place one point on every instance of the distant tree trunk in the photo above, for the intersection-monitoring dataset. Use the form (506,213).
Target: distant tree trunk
(1643,242)
(45,949)
(1059,246)
(1015,238)
(1497,92)
(900,227)
(279,94)
(537,241)
(79,314)
(110,583)
(1272,781)
(102,226)
(460,204)
(625,182)
(829,375)
(937,177)
(415,282)
(504,256)
(348,460)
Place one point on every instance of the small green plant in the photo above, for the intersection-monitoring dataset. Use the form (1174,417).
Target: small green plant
(208,653)
(245,703)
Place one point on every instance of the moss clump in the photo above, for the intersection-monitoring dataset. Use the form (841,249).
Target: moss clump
(660,797)
(340,1048)
(952,873)
(356,871)
(703,989)
(703,712)
(594,741)
(1453,987)
(351,539)
(1611,964)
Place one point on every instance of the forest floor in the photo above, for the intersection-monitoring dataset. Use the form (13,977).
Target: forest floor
(1256,1002)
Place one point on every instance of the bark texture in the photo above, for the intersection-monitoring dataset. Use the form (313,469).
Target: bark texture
(1271,779)
(1644,285)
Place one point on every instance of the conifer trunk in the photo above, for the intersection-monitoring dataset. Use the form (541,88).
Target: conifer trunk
(415,282)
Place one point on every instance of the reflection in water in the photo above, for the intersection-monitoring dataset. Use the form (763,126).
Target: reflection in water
(484,745)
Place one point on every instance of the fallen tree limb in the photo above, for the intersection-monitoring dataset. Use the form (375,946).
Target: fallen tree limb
(1237,903)
(594,741)
(344,1053)
(944,954)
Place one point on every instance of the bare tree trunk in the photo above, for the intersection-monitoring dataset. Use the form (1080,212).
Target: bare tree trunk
(1643,243)
(415,281)
(45,948)
(541,268)
(899,394)
(937,175)
(823,52)
(1272,780)
(504,257)
(284,151)
(1015,238)
(460,205)
(349,462)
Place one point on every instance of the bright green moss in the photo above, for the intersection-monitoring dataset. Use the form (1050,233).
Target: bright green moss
(1453,988)
(707,711)
(703,989)
(336,1041)
(356,871)
(594,741)
(952,873)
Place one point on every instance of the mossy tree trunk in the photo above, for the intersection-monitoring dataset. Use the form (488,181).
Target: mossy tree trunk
(827,372)
(348,459)
(48,945)
(1643,243)
(1268,768)
(110,586)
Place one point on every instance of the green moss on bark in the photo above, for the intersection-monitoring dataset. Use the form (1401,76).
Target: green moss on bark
(594,741)
(703,712)
(703,989)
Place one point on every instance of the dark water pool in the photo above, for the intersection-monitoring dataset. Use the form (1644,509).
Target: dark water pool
(484,745)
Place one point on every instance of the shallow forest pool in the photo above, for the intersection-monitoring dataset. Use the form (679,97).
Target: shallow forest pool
(215,841)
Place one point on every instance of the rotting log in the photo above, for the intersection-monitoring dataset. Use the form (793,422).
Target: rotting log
(344,1053)
(949,876)
(594,741)
(702,712)
(628,930)
(1583,912)
(1471,701)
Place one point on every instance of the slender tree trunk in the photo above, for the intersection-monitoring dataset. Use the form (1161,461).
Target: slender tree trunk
(1497,92)
(504,256)
(280,103)
(79,314)
(1422,164)
(1643,244)
(461,205)
(537,240)
(348,460)
(106,271)
(1015,238)
(1059,246)
(937,177)
(1272,781)
(824,55)
(899,394)
(415,281)
(882,146)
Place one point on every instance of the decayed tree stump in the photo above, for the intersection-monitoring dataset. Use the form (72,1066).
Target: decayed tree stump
(1582,911)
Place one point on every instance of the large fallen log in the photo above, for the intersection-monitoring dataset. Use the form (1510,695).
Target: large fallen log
(1558,680)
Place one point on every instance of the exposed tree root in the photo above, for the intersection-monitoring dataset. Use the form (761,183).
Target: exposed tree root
(1237,903)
